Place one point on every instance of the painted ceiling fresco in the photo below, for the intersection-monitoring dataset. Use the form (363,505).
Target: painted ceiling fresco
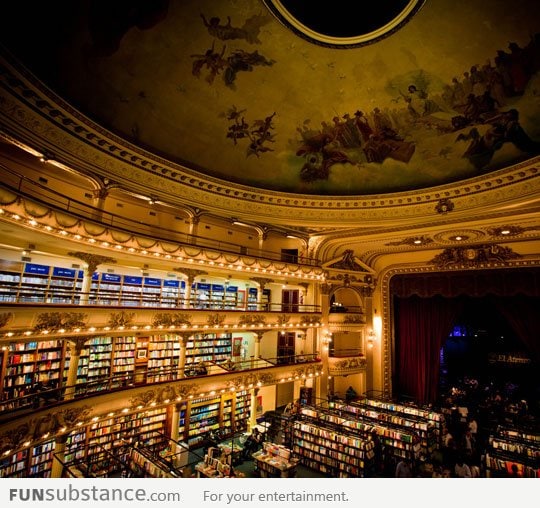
(227,89)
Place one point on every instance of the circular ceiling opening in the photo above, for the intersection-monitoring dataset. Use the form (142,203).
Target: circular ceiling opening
(347,24)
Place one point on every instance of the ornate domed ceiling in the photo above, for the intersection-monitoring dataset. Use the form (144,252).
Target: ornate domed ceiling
(249,92)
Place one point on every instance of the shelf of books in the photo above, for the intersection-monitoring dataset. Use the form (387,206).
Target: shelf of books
(31,282)
(204,416)
(396,441)
(422,427)
(113,433)
(163,356)
(513,452)
(435,418)
(31,462)
(322,447)
(228,412)
(95,363)
(123,358)
(242,407)
(10,279)
(30,362)
(208,347)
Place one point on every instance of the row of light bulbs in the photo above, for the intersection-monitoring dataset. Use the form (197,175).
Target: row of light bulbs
(144,252)
(153,404)
(93,329)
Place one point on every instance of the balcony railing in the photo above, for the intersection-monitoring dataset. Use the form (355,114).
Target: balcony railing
(34,191)
(60,296)
(50,396)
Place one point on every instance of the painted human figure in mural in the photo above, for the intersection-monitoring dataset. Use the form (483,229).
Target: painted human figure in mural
(505,128)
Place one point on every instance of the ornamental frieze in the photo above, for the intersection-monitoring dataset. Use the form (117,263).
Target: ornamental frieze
(122,318)
(474,256)
(346,366)
(54,321)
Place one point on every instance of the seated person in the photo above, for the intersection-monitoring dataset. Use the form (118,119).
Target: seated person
(252,443)
(350,394)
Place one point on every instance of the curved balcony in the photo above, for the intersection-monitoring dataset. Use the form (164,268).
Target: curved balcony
(346,318)
(343,362)
(54,417)
(19,194)
(47,321)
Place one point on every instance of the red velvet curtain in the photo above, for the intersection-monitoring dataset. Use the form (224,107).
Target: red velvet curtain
(422,326)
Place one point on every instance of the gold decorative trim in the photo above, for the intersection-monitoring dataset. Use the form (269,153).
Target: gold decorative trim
(54,321)
(115,158)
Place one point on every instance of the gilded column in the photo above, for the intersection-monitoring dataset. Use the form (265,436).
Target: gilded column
(190,275)
(253,408)
(75,348)
(92,262)
(262,282)
(57,469)
(182,355)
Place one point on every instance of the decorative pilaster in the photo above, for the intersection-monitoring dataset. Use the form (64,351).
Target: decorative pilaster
(58,459)
(182,355)
(92,262)
(99,196)
(257,349)
(75,348)
(190,274)
(262,282)
(253,408)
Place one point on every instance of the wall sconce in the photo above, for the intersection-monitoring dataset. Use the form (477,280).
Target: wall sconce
(327,338)
(372,337)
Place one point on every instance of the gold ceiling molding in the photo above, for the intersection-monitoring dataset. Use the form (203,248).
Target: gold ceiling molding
(6,318)
(169,320)
(46,120)
(192,251)
(123,318)
(457,235)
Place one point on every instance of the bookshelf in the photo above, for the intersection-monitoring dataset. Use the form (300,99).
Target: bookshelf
(421,426)
(397,442)
(31,462)
(124,357)
(208,347)
(437,419)
(30,362)
(334,453)
(508,446)
(204,416)
(14,466)
(242,407)
(10,279)
(95,363)
(40,460)
(87,443)
(131,290)
(198,417)
(163,357)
